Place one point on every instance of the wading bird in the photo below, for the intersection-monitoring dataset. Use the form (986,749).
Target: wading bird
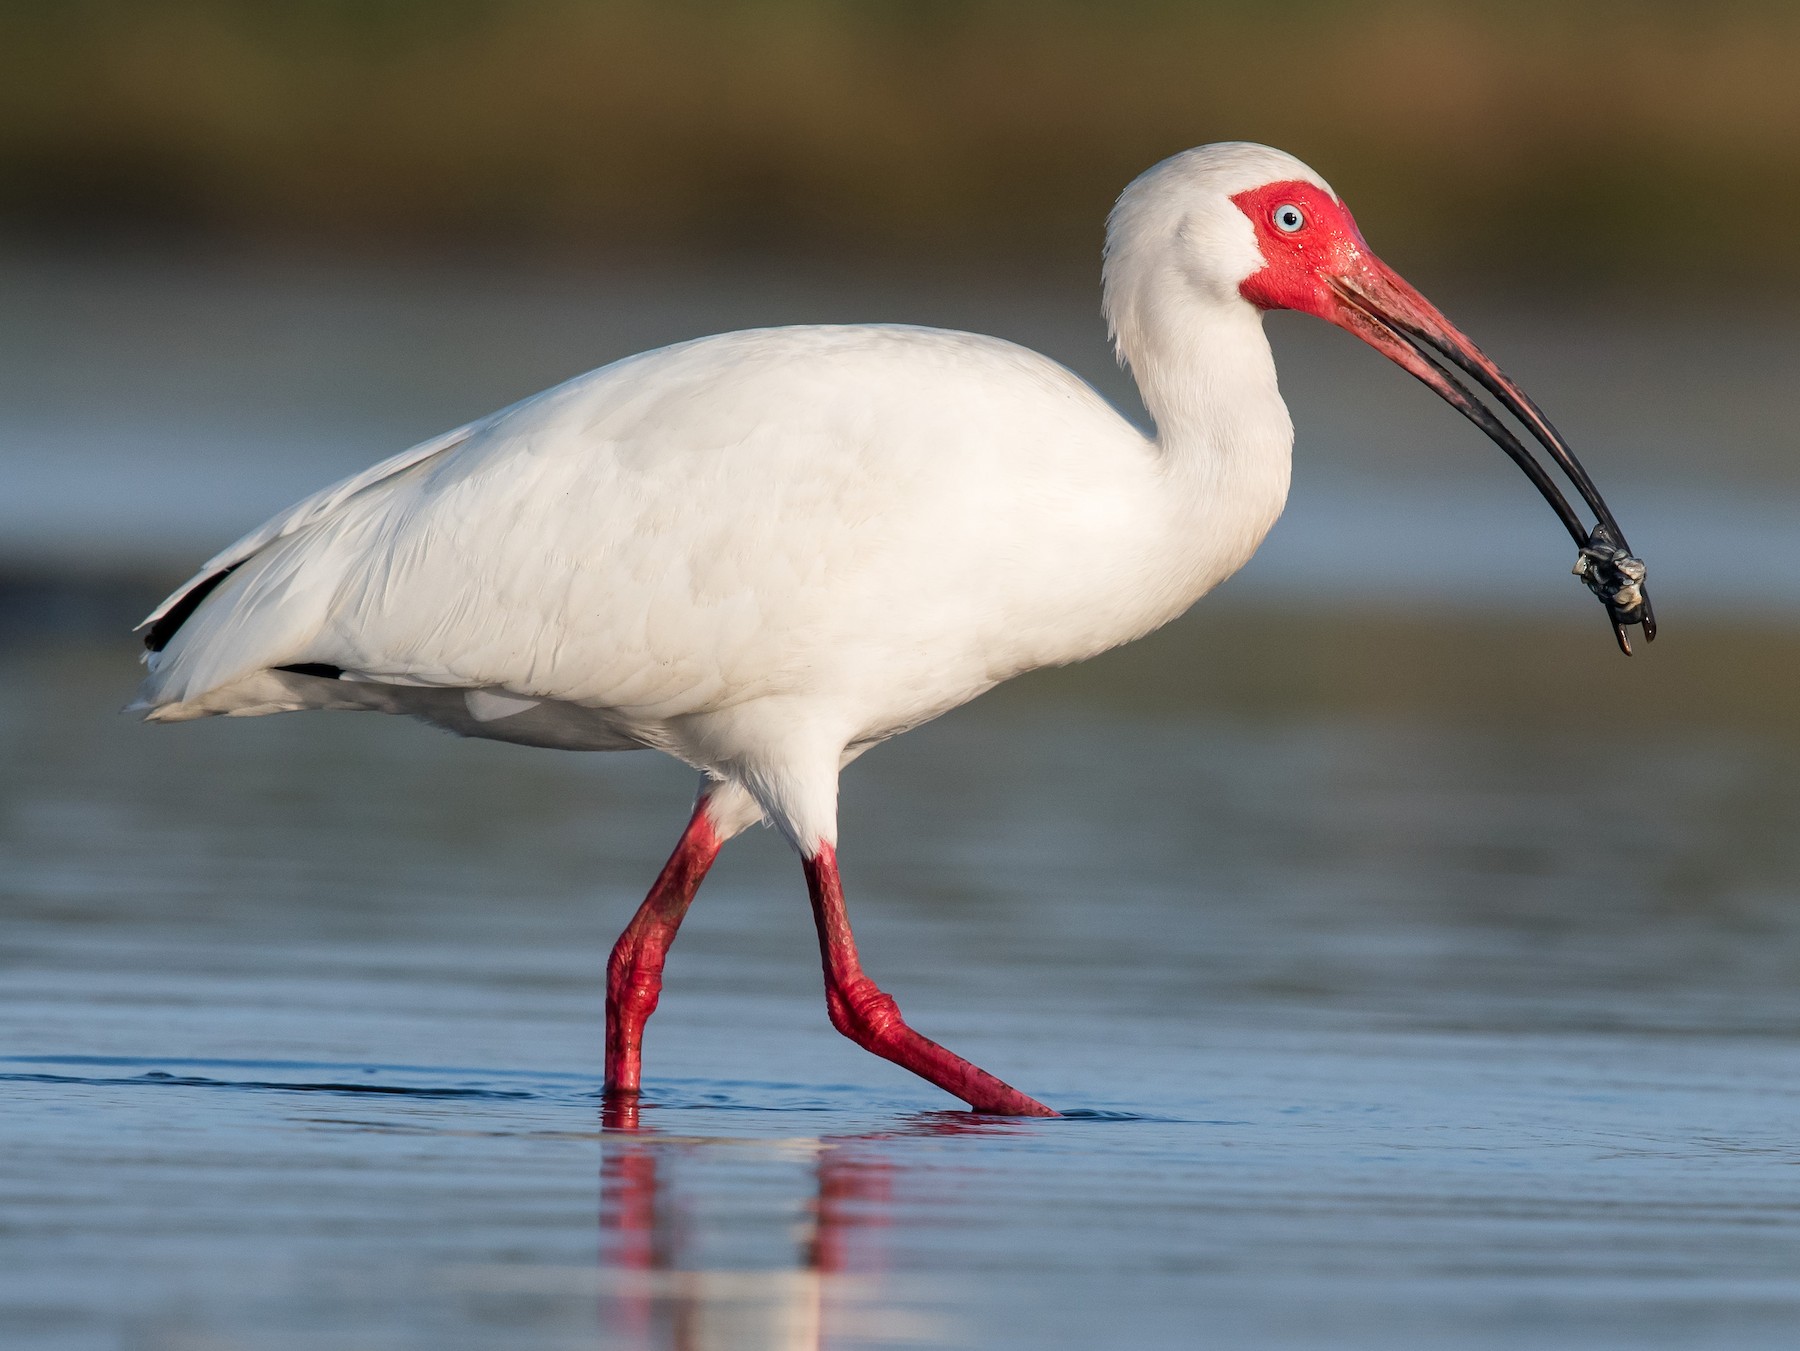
(766,552)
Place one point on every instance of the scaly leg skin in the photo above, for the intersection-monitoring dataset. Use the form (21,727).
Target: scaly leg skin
(634,971)
(871,1019)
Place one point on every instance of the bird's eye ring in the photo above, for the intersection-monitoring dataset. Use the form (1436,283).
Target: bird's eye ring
(1289,218)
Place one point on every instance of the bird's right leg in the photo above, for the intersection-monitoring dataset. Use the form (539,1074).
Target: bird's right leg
(634,972)
(869,1016)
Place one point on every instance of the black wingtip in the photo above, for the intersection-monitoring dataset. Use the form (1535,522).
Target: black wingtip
(182,610)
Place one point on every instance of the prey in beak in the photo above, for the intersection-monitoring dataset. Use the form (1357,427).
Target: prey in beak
(1316,261)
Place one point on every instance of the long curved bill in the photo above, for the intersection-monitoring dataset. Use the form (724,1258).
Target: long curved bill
(1384,311)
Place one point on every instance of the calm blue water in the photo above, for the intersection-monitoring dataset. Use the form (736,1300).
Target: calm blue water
(1440,1032)
(1416,972)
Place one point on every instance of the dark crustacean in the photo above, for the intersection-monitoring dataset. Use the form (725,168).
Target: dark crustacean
(1616,576)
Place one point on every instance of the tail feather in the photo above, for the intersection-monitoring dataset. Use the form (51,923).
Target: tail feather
(257,615)
(258,604)
(166,618)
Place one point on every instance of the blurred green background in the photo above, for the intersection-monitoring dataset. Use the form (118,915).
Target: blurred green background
(1596,143)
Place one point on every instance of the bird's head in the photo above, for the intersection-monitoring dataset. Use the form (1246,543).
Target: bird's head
(1243,225)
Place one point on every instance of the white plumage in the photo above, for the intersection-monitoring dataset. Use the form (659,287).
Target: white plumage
(766,551)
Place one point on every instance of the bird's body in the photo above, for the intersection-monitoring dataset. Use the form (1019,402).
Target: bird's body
(767,551)
(761,552)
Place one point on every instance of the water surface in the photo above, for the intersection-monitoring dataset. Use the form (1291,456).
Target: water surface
(1414,970)
(1374,1030)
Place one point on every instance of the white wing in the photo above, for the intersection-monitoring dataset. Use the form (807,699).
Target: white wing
(299,516)
(762,514)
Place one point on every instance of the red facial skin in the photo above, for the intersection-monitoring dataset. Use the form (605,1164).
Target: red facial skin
(1298,262)
(1325,269)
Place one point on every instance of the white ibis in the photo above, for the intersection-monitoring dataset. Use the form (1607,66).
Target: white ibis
(765,552)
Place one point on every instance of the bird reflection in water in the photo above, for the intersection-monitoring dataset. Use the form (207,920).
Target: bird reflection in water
(834,1293)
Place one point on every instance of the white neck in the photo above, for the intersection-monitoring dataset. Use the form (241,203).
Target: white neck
(1206,375)
(1178,249)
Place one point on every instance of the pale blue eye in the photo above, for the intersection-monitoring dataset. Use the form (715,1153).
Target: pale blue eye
(1289,218)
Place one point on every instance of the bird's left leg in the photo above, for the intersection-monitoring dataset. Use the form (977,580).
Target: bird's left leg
(634,971)
(869,1016)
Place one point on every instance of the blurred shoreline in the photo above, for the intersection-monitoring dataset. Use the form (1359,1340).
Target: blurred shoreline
(1582,146)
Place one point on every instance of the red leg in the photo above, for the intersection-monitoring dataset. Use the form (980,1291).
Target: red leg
(872,1020)
(634,972)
